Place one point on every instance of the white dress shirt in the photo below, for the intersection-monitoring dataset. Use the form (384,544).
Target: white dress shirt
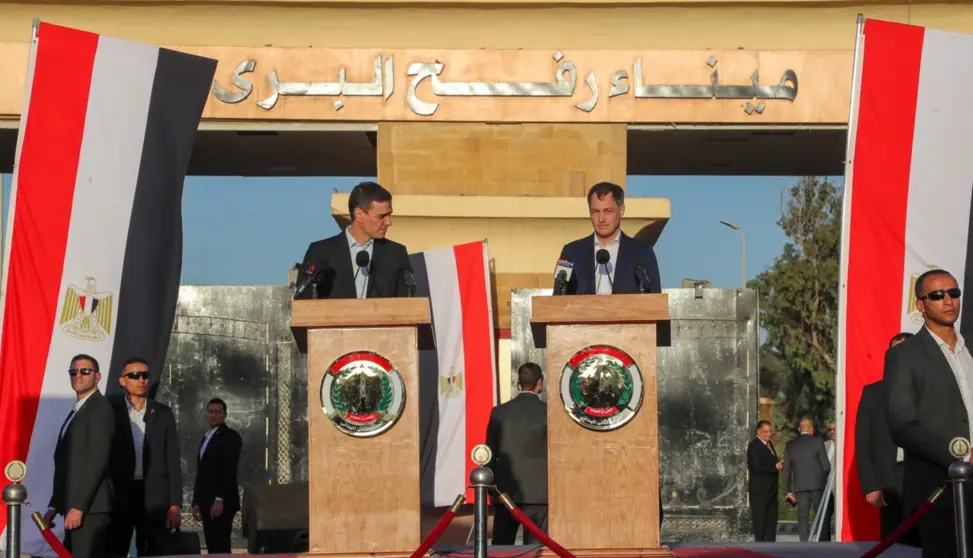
(361,273)
(202,450)
(74,412)
(605,274)
(961,363)
(136,418)
(207,437)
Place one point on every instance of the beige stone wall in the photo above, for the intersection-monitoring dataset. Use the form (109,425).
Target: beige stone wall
(772,25)
(492,160)
(500,159)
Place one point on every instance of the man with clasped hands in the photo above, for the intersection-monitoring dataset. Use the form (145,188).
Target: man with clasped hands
(927,387)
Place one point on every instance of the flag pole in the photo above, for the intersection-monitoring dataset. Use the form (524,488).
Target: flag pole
(6,225)
(841,395)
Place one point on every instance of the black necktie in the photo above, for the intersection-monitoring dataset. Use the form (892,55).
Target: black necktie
(71,414)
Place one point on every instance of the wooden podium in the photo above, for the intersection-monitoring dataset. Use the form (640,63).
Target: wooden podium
(603,458)
(363,471)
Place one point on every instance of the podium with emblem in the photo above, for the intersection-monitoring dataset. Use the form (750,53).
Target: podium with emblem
(603,421)
(363,423)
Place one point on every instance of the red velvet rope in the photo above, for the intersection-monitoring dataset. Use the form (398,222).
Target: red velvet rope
(50,537)
(906,526)
(438,530)
(534,529)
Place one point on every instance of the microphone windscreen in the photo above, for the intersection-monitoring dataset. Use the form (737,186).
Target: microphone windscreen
(362,259)
(602,256)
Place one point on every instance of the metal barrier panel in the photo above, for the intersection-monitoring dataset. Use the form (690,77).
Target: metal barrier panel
(234,342)
(708,406)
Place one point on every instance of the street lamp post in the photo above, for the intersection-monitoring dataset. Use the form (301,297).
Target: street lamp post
(743,235)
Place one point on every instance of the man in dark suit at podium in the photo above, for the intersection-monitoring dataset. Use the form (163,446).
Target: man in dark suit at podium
(637,269)
(358,262)
(609,261)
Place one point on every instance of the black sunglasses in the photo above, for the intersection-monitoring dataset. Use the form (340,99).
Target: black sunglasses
(82,371)
(941,294)
(137,375)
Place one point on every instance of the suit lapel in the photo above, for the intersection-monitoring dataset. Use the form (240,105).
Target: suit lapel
(623,264)
(943,371)
(586,279)
(372,290)
(344,275)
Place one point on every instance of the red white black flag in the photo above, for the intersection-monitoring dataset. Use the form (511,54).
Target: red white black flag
(94,244)
(908,192)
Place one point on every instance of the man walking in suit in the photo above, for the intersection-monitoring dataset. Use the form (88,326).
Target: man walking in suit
(806,468)
(927,390)
(606,262)
(764,470)
(880,471)
(82,484)
(359,262)
(146,466)
(216,496)
(517,438)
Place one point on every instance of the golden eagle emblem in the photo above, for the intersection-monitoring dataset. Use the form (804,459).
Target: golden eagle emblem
(451,386)
(911,311)
(87,314)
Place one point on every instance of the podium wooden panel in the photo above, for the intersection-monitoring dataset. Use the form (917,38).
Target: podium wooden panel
(364,491)
(603,486)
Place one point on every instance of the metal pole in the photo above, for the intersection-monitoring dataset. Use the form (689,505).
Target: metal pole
(14,495)
(821,513)
(482,480)
(743,233)
(961,472)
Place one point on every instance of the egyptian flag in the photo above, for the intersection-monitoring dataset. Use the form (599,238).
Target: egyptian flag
(458,385)
(94,245)
(908,186)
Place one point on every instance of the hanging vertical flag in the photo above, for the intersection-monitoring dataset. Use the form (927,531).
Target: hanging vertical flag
(458,383)
(94,242)
(907,195)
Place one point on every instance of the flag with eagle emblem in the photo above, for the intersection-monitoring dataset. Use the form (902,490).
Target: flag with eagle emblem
(93,248)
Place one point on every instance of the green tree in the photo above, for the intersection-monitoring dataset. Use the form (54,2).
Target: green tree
(799,304)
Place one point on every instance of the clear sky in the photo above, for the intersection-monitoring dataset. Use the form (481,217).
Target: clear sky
(250,231)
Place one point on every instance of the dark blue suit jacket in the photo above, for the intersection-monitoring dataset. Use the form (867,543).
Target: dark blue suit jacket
(631,252)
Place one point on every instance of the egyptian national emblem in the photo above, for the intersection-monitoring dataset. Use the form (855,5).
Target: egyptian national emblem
(601,387)
(912,312)
(451,385)
(362,394)
(87,313)
(959,447)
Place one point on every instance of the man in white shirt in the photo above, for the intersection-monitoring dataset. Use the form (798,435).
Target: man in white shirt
(216,497)
(926,388)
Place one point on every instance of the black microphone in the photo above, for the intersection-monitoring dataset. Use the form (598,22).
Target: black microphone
(410,283)
(361,260)
(311,276)
(603,257)
(642,278)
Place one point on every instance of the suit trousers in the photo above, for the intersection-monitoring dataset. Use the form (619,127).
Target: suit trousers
(763,508)
(131,515)
(937,531)
(505,526)
(805,501)
(216,532)
(892,515)
(91,539)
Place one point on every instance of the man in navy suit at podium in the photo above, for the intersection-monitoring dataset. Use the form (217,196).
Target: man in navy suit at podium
(609,261)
